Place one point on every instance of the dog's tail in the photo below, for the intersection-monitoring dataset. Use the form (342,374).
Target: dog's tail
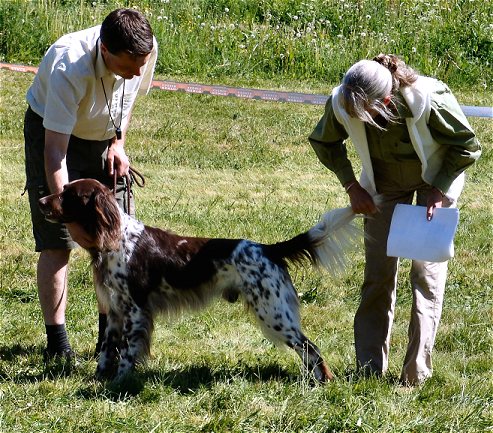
(324,245)
(334,235)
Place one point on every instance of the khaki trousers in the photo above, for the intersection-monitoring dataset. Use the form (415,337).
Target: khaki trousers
(397,183)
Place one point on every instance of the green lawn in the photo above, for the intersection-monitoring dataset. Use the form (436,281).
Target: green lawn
(237,168)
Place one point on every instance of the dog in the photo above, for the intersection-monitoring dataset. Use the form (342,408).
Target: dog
(140,271)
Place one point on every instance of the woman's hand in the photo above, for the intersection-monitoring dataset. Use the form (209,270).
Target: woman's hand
(361,200)
(434,200)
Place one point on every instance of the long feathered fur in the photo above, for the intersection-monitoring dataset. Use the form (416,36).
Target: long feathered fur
(334,236)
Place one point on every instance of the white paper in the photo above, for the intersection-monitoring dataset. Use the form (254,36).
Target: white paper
(412,236)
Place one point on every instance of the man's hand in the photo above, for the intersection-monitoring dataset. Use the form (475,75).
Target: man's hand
(117,159)
(434,200)
(361,200)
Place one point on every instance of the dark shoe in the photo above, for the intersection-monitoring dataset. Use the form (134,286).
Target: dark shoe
(64,359)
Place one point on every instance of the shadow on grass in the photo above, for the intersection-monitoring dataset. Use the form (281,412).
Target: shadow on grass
(190,379)
(20,368)
(354,376)
(184,381)
(24,296)
(11,353)
(24,364)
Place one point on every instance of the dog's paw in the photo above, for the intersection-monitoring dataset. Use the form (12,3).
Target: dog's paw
(102,375)
(231,295)
(104,372)
(322,373)
(131,384)
(122,377)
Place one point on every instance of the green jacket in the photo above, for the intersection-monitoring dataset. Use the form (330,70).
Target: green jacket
(438,134)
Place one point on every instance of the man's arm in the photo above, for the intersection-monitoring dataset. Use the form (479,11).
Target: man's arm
(55,158)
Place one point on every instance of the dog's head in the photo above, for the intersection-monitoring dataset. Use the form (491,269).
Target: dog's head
(89,204)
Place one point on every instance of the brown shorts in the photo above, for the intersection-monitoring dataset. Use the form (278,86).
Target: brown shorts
(85,159)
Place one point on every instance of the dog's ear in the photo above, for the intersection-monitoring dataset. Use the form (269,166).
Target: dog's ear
(107,217)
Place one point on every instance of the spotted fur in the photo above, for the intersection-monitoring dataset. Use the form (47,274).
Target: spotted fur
(140,271)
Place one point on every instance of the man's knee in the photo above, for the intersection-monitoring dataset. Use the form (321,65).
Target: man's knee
(53,258)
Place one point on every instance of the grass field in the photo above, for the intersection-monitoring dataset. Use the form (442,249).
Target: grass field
(277,40)
(225,167)
(229,167)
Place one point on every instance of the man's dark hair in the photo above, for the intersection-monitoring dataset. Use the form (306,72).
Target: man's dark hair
(127,30)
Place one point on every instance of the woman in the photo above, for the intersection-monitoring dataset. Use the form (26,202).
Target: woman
(413,141)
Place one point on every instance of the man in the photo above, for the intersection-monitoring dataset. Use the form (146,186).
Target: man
(80,105)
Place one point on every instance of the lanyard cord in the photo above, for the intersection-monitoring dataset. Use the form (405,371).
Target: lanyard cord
(118,130)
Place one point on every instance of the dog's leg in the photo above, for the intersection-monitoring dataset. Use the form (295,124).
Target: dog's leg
(290,333)
(292,336)
(137,331)
(312,359)
(111,345)
(274,300)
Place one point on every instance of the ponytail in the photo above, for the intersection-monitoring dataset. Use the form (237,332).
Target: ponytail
(402,75)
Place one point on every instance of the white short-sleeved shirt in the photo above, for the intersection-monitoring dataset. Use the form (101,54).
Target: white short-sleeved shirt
(68,94)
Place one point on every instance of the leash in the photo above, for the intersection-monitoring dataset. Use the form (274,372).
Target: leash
(133,176)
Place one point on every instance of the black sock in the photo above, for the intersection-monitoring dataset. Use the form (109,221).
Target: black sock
(57,339)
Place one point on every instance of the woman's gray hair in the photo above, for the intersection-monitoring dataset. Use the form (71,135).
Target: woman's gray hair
(368,82)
